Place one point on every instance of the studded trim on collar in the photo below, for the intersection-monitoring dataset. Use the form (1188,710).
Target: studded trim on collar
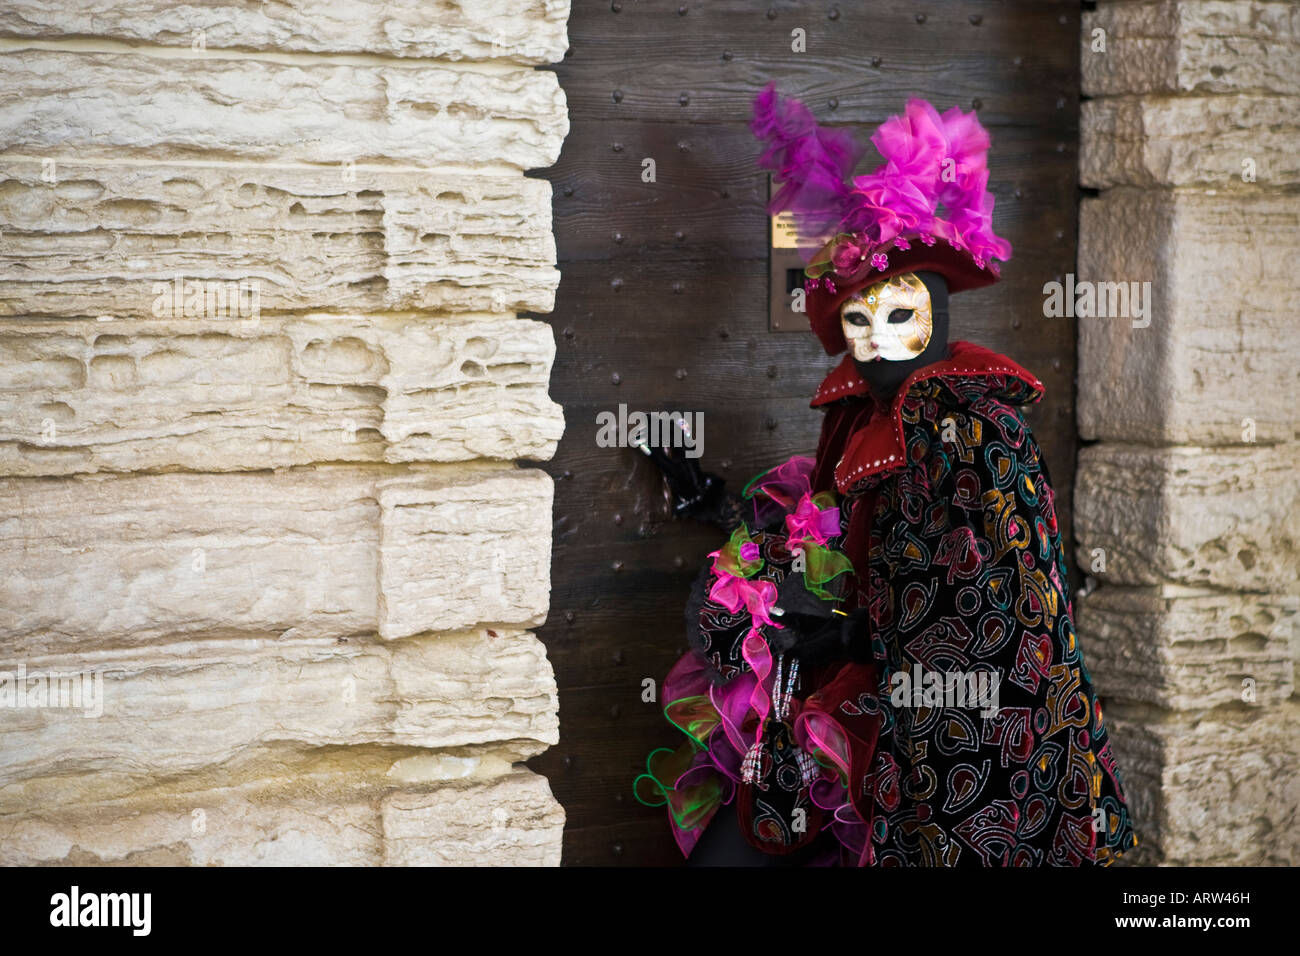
(843,382)
(877,448)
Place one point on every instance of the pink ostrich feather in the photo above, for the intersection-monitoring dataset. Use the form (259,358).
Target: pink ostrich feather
(811,163)
(933,181)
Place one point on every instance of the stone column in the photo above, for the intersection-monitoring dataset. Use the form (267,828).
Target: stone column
(263,388)
(1188,501)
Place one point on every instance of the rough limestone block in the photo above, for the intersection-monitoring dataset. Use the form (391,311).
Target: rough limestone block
(1188,649)
(472,390)
(511,822)
(467,551)
(95,241)
(87,562)
(282,768)
(1126,373)
(337,827)
(60,104)
(173,708)
(1205,46)
(489,686)
(529,31)
(1215,365)
(96,560)
(343,815)
(1188,140)
(478,239)
(247,394)
(1210,517)
(1217,789)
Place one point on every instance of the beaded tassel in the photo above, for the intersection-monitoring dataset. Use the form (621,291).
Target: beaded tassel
(809,769)
(781,699)
(749,767)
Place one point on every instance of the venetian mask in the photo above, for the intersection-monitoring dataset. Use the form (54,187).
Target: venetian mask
(889,321)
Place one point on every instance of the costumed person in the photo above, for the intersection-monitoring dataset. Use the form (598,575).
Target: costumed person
(883,668)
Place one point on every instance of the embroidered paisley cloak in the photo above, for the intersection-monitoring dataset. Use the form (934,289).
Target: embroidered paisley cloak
(946,512)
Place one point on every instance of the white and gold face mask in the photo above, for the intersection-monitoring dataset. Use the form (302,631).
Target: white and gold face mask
(889,321)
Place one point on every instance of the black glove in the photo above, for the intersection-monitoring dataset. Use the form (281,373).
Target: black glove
(694,492)
(813,629)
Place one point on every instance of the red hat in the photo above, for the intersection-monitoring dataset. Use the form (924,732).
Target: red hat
(925,209)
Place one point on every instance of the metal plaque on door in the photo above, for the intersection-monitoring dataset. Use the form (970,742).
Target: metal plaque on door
(784,273)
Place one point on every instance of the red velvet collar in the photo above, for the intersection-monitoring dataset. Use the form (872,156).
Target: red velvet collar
(877,447)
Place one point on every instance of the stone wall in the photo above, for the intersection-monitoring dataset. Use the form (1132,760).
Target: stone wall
(1188,504)
(262,392)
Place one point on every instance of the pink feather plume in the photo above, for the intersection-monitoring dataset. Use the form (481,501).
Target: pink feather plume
(933,181)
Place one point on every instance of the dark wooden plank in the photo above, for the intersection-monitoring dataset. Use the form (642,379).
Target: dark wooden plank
(867,61)
(630,338)
(708,199)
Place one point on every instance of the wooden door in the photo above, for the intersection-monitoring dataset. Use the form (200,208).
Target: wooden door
(663,306)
